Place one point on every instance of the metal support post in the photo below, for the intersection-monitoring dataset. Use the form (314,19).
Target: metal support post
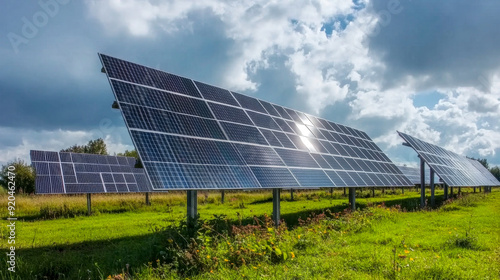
(474,189)
(433,188)
(402,190)
(344,192)
(291,194)
(352,198)
(222,194)
(147,199)
(445,191)
(89,204)
(373,192)
(192,207)
(451,192)
(276,206)
(422,183)
(459,190)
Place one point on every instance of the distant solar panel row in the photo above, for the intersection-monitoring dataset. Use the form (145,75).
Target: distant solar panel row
(59,173)
(413,174)
(455,170)
(191,135)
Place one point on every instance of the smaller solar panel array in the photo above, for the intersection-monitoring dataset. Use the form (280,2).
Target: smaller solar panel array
(413,174)
(455,170)
(62,173)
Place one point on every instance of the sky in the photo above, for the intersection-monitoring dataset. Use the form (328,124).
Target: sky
(427,68)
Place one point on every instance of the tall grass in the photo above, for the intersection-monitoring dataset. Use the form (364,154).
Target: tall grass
(388,238)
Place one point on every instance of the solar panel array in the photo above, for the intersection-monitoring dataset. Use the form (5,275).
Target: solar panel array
(486,173)
(455,170)
(192,135)
(62,173)
(413,174)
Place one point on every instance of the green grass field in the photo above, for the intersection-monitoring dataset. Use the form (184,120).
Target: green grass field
(387,238)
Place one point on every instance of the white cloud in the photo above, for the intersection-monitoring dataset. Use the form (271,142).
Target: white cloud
(340,67)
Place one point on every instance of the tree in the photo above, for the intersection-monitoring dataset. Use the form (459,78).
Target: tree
(496,172)
(24,176)
(132,153)
(97,147)
(128,153)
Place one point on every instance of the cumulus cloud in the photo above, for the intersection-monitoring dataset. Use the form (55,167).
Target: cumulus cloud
(372,57)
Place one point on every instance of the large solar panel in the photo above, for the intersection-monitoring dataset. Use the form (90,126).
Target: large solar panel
(63,173)
(191,135)
(413,174)
(455,170)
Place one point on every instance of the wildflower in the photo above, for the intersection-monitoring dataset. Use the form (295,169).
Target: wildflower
(407,252)
(254,267)
(211,271)
(449,232)
(437,256)
(298,236)
(411,259)
(226,260)
(324,231)
(208,256)
(292,254)
(404,245)
(455,228)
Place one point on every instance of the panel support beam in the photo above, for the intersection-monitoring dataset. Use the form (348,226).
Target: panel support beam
(291,194)
(89,204)
(222,196)
(276,206)
(433,188)
(148,202)
(422,182)
(352,198)
(192,207)
(445,191)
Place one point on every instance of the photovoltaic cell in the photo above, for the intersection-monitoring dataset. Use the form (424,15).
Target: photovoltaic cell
(228,113)
(312,177)
(86,173)
(216,94)
(191,135)
(248,102)
(454,169)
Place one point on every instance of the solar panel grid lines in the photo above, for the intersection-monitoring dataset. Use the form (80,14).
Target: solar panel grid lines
(64,172)
(264,138)
(484,171)
(455,170)
(413,174)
